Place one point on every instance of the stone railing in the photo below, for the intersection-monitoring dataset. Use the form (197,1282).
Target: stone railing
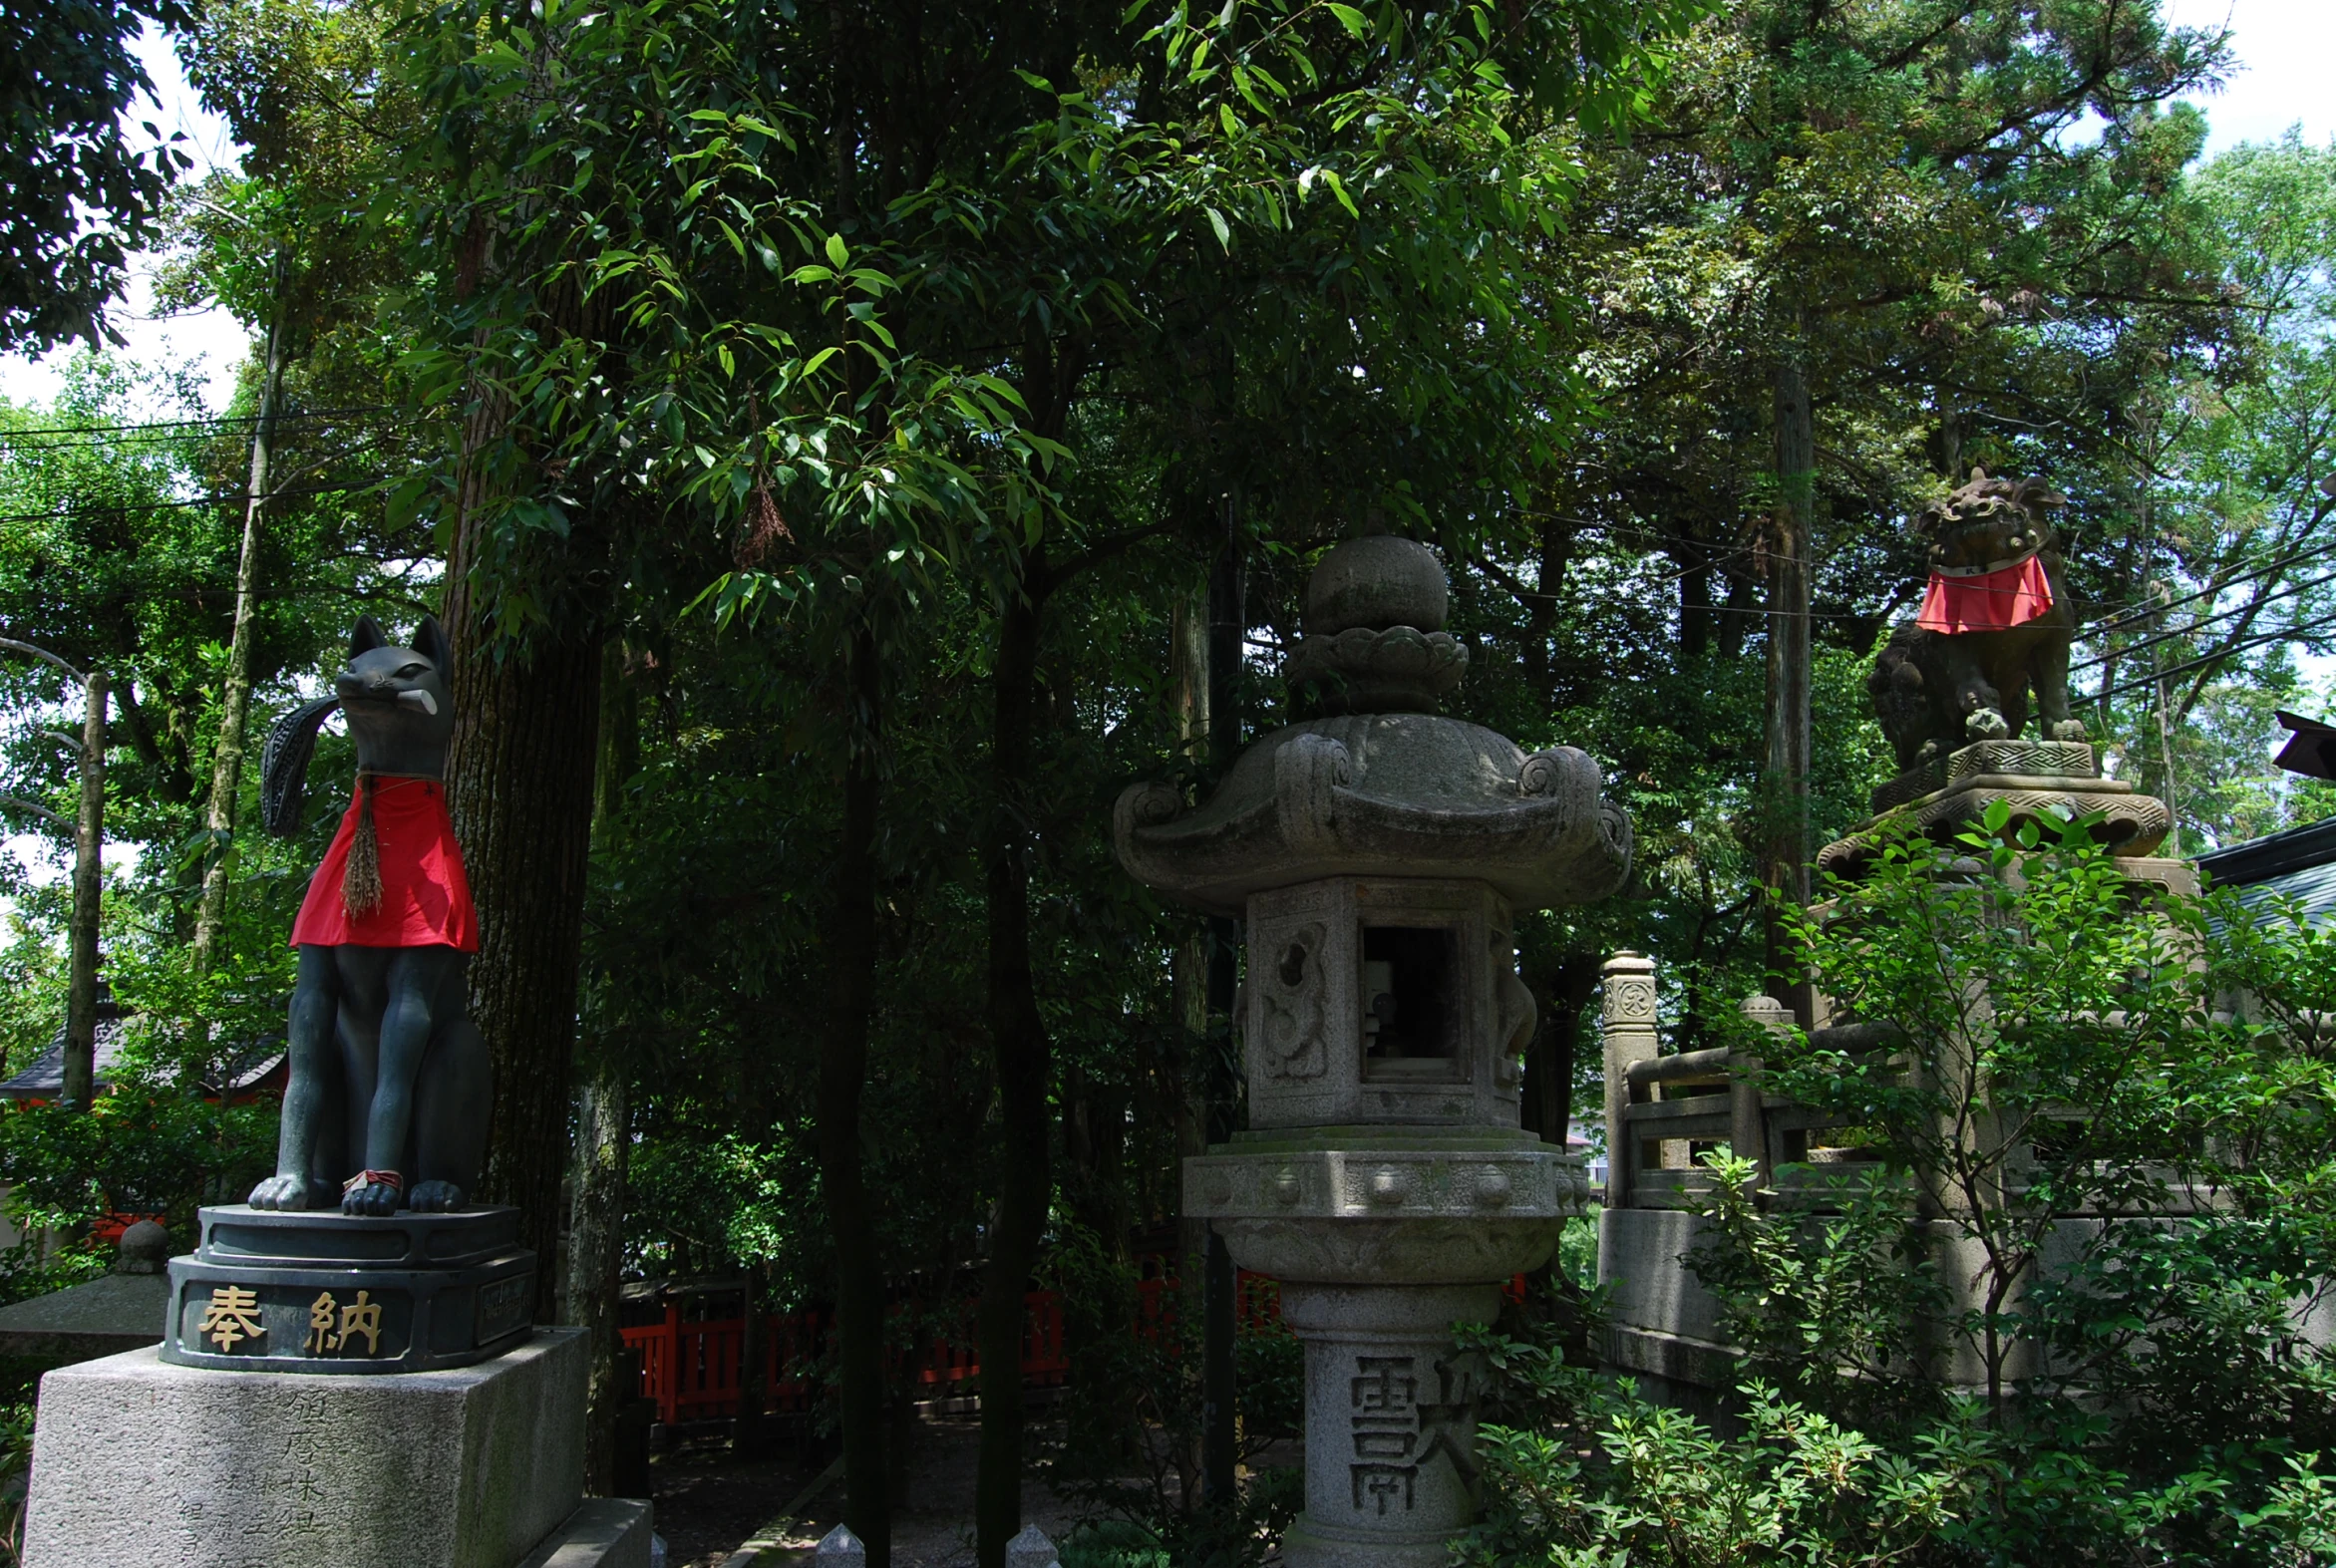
(1664,1110)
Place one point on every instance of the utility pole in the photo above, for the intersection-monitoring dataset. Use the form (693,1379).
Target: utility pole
(219,819)
(1788,751)
(88,842)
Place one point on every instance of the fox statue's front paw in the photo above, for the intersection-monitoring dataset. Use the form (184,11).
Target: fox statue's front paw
(280,1192)
(371,1194)
(437,1197)
(2068,730)
(1986,725)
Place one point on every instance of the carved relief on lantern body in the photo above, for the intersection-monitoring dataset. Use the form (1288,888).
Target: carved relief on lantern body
(1383,1000)
(1293,1002)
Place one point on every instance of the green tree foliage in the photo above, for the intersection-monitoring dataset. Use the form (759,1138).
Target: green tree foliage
(82,194)
(2218,539)
(1968,228)
(119,551)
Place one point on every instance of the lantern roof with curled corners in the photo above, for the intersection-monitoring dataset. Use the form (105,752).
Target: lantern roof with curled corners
(1381,785)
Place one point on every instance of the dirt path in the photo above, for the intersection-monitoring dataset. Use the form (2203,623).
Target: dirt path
(707,1503)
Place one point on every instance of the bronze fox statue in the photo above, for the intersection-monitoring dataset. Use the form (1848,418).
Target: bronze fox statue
(391,1084)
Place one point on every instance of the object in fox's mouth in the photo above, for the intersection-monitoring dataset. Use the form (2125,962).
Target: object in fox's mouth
(422,700)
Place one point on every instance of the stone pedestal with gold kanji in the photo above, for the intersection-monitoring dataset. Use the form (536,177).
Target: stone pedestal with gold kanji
(135,1460)
(291,1291)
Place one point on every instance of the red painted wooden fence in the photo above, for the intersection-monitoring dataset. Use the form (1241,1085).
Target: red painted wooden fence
(692,1368)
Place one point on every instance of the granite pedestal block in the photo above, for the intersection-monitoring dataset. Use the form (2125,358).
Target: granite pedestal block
(139,1461)
(270,1291)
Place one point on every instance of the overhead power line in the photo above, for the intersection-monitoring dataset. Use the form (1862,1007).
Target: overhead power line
(2284,634)
(2137,612)
(2191,629)
(228,497)
(9,436)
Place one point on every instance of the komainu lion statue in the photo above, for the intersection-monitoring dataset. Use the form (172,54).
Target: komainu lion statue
(1995,624)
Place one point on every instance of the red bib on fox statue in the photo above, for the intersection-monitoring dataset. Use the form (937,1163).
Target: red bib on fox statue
(425,898)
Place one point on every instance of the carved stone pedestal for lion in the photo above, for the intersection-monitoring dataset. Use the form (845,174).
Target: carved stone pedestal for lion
(2033,779)
(1381,854)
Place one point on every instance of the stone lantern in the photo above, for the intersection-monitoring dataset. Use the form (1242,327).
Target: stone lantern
(1380,854)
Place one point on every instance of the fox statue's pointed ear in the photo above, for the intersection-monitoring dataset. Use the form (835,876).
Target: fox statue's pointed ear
(367,637)
(430,642)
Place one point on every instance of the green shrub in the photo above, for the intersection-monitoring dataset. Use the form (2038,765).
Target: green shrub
(2067,1045)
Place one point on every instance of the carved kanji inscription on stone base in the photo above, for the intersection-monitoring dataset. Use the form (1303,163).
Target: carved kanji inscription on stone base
(1384,1426)
(1394,1432)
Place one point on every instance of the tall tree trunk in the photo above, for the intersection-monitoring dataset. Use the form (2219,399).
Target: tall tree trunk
(595,1257)
(1550,1061)
(219,818)
(1788,761)
(519,776)
(1557,539)
(753,1355)
(852,981)
(603,1145)
(1694,600)
(1019,1048)
(1188,658)
(1227,625)
(88,886)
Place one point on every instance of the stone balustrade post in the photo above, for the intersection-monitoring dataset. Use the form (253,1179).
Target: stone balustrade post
(1627,1017)
(1747,1131)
